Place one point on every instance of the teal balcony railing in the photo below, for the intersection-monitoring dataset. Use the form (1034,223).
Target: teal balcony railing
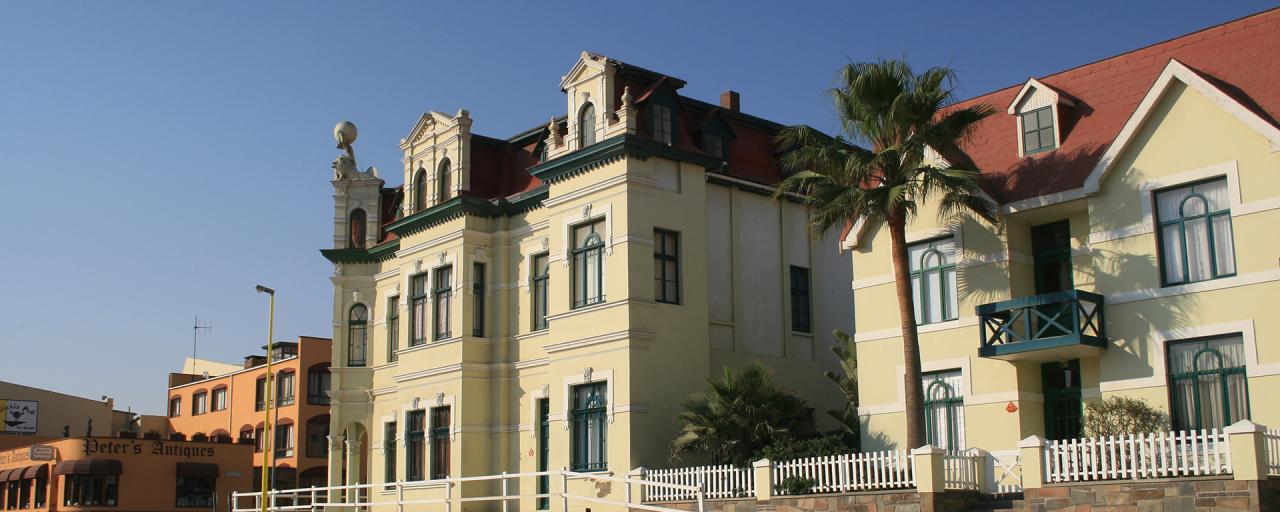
(1055,325)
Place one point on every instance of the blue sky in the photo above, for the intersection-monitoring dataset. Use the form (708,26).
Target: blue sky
(159,159)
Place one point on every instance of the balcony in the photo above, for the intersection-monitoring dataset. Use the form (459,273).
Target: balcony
(1049,327)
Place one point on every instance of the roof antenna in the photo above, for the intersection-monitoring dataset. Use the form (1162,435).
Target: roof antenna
(196,327)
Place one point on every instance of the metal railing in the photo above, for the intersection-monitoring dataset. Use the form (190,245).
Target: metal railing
(443,492)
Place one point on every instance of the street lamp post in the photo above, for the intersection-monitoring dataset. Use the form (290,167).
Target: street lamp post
(268,397)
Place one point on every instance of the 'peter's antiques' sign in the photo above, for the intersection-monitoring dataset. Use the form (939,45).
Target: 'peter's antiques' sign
(94,446)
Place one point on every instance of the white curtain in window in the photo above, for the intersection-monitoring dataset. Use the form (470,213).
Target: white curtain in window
(945,409)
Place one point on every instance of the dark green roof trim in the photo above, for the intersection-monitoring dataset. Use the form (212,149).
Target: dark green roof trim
(466,205)
(614,148)
(373,254)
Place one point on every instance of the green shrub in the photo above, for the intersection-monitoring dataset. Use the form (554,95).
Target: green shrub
(795,485)
(790,449)
(1120,415)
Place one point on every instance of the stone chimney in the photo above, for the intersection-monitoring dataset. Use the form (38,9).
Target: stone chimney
(730,100)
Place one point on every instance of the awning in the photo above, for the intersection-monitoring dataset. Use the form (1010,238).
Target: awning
(197,470)
(88,467)
(36,471)
(4,474)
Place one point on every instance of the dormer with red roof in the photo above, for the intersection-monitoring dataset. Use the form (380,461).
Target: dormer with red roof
(1039,110)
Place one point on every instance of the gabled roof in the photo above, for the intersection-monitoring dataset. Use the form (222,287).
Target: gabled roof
(1241,59)
(1033,85)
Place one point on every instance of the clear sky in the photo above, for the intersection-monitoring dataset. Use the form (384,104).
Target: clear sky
(161,158)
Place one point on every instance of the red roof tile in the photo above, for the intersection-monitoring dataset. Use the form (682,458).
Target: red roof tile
(1241,57)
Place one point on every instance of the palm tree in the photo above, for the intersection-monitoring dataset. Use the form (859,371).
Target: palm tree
(738,415)
(878,171)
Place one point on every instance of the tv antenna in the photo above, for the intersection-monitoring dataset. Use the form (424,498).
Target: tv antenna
(196,327)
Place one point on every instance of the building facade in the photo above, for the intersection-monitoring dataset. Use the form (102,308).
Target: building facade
(33,414)
(547,300)
(1137,257)
(112,473)
(231,407)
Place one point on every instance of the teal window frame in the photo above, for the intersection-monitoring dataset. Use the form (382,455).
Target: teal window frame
(947,295)
(1180,418)
(588,259)
(389,453)
(442,296)
(589,430)
(1181,224)
(666,266)
(541,272)
(358,336)
(939,394)
(1039,129)
(477,299)
(393,328)
(415,445)
(418,309)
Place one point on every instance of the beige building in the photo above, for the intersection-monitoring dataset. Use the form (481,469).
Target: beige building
(40,413)
(1138,257)
(546,300)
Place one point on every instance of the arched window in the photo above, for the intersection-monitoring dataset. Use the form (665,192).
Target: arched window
(357,335)
(1196,241)
(1207,382)
(587,126)
(444,185)
(588,265)
(420,191)
(933,280)
(943,410)
(355,239)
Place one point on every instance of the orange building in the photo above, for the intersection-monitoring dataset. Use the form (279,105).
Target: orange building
(128,474)
(232,405)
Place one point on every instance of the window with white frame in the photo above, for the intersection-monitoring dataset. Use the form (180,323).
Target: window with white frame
(587,126)
(933,280)
(1195,235)
(944,409)
(1038,131)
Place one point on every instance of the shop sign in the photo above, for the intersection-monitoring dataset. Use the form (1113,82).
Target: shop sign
(41,452)
(20,416)
(93,446)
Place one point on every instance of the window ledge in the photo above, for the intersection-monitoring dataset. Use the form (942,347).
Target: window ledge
(802,334)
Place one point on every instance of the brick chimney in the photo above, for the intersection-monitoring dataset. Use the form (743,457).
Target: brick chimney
(730,100)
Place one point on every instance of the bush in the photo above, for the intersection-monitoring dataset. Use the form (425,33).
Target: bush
(790,449)
(1119,415)
(795,485)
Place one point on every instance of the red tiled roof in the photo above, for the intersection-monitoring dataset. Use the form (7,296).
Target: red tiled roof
(1241,57)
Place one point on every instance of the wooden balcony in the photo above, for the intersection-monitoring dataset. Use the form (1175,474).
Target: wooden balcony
(1049,327)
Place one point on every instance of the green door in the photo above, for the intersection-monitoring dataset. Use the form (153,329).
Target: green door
(1051,255)
(544,433)
(1062,410)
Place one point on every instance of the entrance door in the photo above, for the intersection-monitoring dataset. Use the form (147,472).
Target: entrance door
(544,436)
(1062,410)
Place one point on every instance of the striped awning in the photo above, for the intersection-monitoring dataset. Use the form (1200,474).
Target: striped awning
(88,467)
(4,473)
(36,471)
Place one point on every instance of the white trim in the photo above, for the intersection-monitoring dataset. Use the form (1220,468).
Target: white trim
(1252,278)
(896,332)
(1031,82)
(1159,356)
(634,335)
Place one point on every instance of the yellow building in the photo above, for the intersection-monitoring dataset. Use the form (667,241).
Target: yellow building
(1138,257)
(546,300)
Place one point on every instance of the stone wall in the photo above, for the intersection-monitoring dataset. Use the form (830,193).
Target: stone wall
(1166,495)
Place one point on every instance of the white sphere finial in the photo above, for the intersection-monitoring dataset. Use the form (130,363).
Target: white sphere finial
(345,133)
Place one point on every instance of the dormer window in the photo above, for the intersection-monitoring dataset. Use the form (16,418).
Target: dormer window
(1038,131)
(587,126)
(713,144)
(444,185)
(356,229)
(1039,109)
(661,123)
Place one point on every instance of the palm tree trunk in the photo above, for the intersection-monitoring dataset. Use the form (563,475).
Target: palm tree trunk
(910,337)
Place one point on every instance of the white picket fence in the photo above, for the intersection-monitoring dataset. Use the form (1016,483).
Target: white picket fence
(725,481)
(1134,456)
(960,470)
(1271,439)
(850,472)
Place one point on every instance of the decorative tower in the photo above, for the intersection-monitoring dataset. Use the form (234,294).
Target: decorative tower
(355,195)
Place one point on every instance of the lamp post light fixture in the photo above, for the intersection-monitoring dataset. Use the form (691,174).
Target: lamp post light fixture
(268,461)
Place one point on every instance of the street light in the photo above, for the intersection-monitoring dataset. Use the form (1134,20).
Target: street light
(268,396)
